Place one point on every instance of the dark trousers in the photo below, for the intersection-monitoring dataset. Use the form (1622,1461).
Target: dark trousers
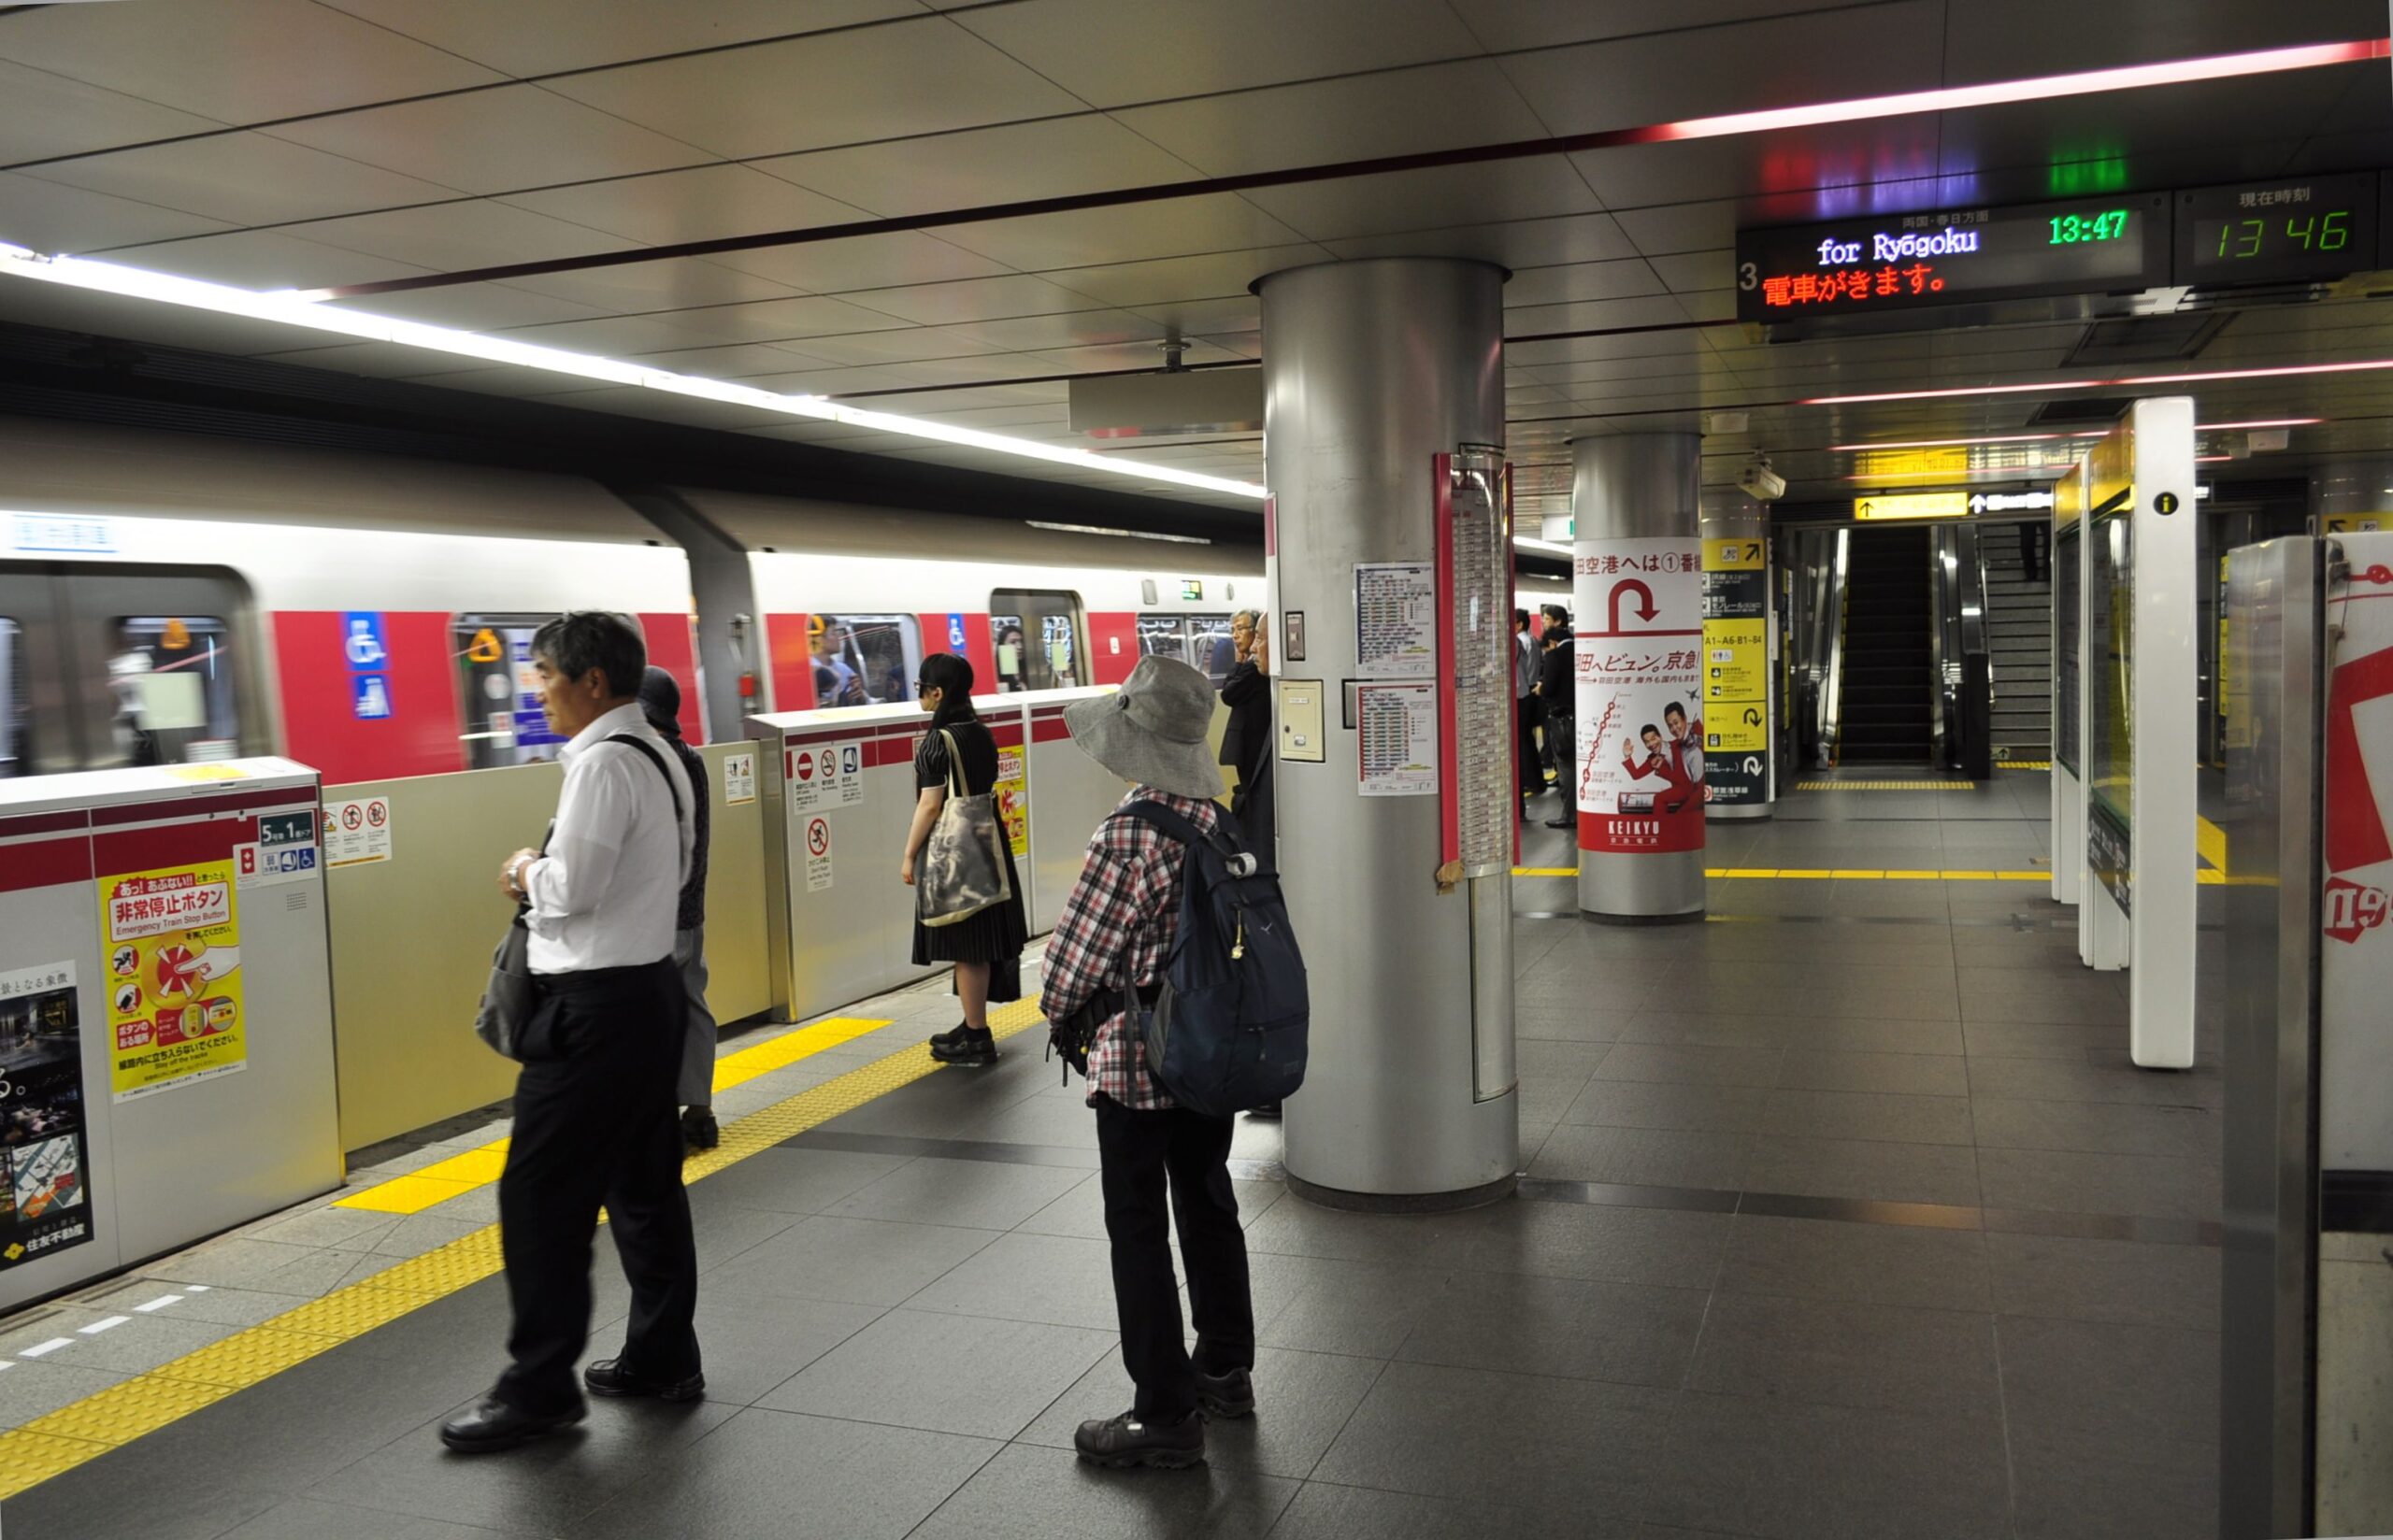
(1532,716)
(595,1122)
(1561,752)
(1142,1153)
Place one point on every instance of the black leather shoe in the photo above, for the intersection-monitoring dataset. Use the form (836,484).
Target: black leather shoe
(1123,1442)
(964,1046)
(1267,1113)
(493,1425)
(1560,823)
(699,1130)
(1228,1396)
(608,1378)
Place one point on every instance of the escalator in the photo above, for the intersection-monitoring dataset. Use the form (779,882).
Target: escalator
(2019,622)
(1888,689)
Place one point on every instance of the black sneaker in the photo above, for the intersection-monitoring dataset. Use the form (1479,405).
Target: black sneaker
(1123,1442)
(608,1378)
(1228,1396)
(699,1130)
(964,1046)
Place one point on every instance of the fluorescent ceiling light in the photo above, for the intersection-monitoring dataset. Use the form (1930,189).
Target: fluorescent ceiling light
(2259,422)
(2054,387)
(1963,443)
(1119,534)
(2044,88)
(290,309)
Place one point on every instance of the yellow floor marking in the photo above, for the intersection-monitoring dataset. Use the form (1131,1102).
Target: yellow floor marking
(1745,874)
(1820,873)
(1915,877)
(461,1174)
(2022,764)
(1844,874)
(1545,870)
(1886,785)
(91,1427)
(2210,840)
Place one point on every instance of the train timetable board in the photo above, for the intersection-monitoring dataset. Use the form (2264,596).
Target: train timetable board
(1870,264)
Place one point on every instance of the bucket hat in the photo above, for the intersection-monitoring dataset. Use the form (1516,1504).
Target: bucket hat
(1153,730)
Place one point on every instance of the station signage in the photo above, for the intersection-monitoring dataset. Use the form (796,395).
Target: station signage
(1912,505)
(2292,230)
(1942,257)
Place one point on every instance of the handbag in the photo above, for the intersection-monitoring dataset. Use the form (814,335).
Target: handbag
(962,868)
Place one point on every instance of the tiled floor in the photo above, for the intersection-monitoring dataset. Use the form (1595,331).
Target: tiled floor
(1844,1215)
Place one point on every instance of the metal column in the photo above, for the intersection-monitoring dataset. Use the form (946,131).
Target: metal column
(1371,369)
(1638,625)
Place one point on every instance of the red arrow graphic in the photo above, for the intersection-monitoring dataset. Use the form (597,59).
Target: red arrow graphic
(1645,610)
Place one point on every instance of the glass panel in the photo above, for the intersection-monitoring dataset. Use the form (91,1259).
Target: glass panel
(865,660)
(173,684)
(1163,636)
(1209,646)
(2113,638)
(1044,631)
(504,721)
(13,707)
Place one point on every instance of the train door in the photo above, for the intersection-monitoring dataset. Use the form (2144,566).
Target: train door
(1041,640)
(1211,651)
(103,666)
(503,721)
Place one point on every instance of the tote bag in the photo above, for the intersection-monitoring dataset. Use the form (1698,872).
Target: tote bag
(963,869)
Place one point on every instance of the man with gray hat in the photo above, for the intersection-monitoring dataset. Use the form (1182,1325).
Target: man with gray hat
(1116,935)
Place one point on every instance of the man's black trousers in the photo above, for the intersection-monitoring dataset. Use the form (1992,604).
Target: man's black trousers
(1531,711)
(1142,1153)
(595,1122)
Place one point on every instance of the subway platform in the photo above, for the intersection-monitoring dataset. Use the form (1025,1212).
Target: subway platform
(1842,1214)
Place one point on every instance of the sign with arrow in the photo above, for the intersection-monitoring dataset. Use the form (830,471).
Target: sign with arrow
(1640,783)
(1736,671)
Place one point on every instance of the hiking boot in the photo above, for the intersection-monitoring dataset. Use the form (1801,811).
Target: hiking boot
(965,1047)
(1225,1396)
(1123,1442)
(699,1131)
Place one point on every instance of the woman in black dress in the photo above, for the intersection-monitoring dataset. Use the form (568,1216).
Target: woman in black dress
(985,947)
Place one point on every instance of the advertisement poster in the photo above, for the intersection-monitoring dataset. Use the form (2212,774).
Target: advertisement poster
(45,1193)
(1397,735)
(1736,671)
(738,778)
(1012,789)
(1395,619)
(1639,661)
(2356,913)
(173,939)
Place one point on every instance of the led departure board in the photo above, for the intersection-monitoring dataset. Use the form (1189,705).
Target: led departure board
(2285,231)
(1954,256)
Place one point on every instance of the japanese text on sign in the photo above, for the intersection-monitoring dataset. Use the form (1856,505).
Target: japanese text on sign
(1395,619)
(824,775)
(1639,785)
(174,957)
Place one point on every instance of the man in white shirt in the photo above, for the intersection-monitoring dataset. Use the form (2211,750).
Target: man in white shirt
(596,1121)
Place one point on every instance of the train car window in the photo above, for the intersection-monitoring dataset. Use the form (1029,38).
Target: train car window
(504,721)
(1163,636)
(175,697)
(13,707)
(1038,635)
(1209,646)
(865,660)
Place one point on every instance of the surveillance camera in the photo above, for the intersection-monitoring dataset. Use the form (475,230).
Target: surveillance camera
(1760,483)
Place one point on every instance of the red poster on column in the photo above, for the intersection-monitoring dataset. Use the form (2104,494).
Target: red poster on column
(1639,663)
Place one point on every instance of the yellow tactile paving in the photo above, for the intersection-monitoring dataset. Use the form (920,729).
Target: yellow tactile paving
(1885,786)
(97,1423)
(738,1068)
(410,1194)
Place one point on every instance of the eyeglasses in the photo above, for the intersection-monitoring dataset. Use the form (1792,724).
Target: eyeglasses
(922,689)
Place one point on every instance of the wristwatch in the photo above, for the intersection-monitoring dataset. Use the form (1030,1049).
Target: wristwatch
(515,874)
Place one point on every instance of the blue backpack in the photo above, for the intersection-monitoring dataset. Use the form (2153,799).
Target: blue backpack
(1228,1031)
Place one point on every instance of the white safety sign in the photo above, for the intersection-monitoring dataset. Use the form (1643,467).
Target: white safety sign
(823,776)
(739,777)
(285,851)
(357,830)
(818,854)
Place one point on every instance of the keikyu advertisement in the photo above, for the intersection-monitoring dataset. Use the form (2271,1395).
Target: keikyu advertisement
(1639,671)
(174,957)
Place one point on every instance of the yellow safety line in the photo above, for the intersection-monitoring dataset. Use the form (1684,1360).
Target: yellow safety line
(1885,786)
(89,1428)
(475,1168)
(2210,841)
(2022,764)
(1840,874)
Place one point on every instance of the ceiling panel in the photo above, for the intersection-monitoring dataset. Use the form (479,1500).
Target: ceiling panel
(1438,198)
(2022,38)
(458,236)
(864,261)
(1239,314)
(1176,227)
(63,310)
(975,299)
(1218,275)
(1686,271)
(1582,281)
(1358,118)
(983,167)
(780,320)
(1663,229)
(42,115)
(731,361)
(1114,52)
(698,204)
(829,89)
(1077,329)
(46,217)
(494,141)
(534,36)
(1820,172)
(245,179)
(473,307)
(237,61)
(898,345)
(1503,25)
(262,258)
(1515,244)
(642,287)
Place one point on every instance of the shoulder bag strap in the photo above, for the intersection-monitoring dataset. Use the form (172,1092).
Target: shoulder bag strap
(956,785)
(657,759)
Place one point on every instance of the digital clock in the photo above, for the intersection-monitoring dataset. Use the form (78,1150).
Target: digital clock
(2109,225)
(2316,228)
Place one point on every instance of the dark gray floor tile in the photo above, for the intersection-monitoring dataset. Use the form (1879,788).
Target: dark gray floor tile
(1301,1401)
(2067,1041)
(1707,1029)
(1895,1073)
(1650,1245)
(1867,1115)
(179,1491)
(1865,1263)
(1635,1334)
(2041,994)
(2125,1281)
(1760,1467)
(721,1233)
(1864,1168)
(1323,1306)
(2110,1128)
(1033,1493)
(973,1194)
(1056,1121)
(2067,1181)
(1569,1023)
(751,1346)
(2097,1379)
(1887,1357)
(1715,1066)
(2122,1483)
(946,1374)
(771,1475)
(854,1262)
(1324,1512)
(306,1519)
(1642,1157)
(793,1181)
(1488,1437)
(2063,1080)
(36,1387)
(1060,1281)
(1873,1035)
(1671,1105)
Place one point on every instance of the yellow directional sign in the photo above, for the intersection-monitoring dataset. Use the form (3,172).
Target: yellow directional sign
(1733,556)
(1913,504)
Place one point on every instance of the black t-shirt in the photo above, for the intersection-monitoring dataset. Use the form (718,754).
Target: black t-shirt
(1554,671)
(976,747)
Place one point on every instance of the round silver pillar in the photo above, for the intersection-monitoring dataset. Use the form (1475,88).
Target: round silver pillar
(1370,369)
(1633,492)
(1737,774)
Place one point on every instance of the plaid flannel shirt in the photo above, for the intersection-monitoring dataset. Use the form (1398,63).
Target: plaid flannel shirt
(1124,909)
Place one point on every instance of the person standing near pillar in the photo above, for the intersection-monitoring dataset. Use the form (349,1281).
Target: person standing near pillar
(660,701)
(1558,688)
(1528,708)
(1246,742)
